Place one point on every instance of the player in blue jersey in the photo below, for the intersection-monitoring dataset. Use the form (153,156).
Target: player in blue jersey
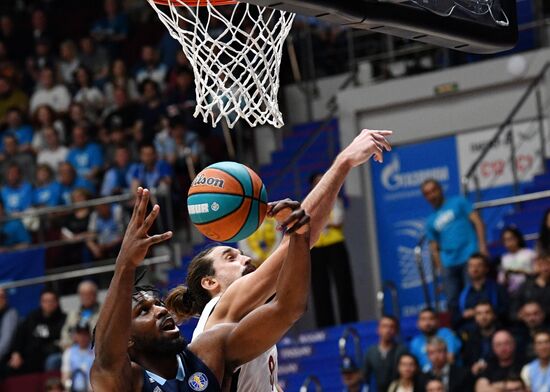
(138,345)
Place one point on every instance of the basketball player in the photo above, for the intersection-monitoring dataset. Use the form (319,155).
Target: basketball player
(138,345)
(223,286)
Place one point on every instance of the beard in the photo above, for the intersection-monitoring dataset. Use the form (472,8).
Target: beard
(153,346)
(248,269)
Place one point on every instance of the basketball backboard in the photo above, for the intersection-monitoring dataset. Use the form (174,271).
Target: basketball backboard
(475,26)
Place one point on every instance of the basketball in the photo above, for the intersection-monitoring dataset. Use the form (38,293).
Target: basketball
(227,202)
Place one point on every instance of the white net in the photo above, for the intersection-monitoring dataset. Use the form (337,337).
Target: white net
(235,51)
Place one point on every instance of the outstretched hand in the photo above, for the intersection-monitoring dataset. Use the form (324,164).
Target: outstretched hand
(289,215)
(136,241)
(365,145)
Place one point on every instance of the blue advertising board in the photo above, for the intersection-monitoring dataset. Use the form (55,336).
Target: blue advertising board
(22,265)
(401,211)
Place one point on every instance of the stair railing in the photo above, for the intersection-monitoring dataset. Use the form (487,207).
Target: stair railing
(506,129)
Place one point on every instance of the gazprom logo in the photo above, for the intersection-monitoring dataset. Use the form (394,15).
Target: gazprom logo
(212,181)
(393,179)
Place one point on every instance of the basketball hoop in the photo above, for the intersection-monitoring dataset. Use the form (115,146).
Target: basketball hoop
(235,50)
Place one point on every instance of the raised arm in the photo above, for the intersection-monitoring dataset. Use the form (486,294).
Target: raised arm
(253,290)
(479,227)
(111,370)
(263,327)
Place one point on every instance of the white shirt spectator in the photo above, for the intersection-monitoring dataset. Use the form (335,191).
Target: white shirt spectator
(53,158)
(92,99)
(157,74)
(57,97)
(516,266)
(67,68)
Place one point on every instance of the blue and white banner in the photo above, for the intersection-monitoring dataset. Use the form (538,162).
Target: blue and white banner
(401,211)
(22,265)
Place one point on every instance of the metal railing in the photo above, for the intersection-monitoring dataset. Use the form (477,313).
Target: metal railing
(507,128)
(390,286)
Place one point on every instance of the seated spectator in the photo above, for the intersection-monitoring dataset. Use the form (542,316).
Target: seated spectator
(11,97)
(69,181)
(85,156)
(536,374)
(455,378)
(504,365)
(77,117)
(480,288)
(88,312)
(94,58)
(16,193)
(151,172)
(50,93)
(111,30)
(39,26)
(151,68)
(54,153)
(13,234)
(117,179)
(532,318)
(536,288)
(122,113)
(46,192)
(17,128)
(119,79)
(151,110)
(428,324)
(408,375)
(478,339)
(12,156)
(9,319)
(78,360)
(69,61)
(182,93)
(351,376)
(36,348)
(40,59)
(517,263)
(177,144)
(87,94)
(381,359)
(107,223)
(75,226)
(44,117)
(543,243)
(435,385)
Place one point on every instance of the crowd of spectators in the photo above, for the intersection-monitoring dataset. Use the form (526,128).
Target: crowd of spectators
(82,117)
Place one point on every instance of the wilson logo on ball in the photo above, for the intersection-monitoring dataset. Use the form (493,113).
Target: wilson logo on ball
(212,181)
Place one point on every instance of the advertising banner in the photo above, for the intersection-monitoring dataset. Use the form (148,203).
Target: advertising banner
(401,211)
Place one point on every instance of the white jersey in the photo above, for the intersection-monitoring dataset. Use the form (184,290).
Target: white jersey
(258,375)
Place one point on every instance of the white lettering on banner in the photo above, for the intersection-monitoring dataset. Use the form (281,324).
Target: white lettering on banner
(297,352)
(288,368)
(313,337)
(394,180)
(444,219)
(495,169)
(197,208)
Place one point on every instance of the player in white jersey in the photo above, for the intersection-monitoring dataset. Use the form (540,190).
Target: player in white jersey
(224,280)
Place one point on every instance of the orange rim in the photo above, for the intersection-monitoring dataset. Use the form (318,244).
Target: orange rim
(195,3)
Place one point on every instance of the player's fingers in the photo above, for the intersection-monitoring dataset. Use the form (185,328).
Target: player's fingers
(281,205)
(382,132)
(142,209)
(382,141)
(378,154)
(303,221)
(294,217)
(150,218)
(137,201)
(155,239)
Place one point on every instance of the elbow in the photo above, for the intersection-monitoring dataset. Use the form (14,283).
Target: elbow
(293,312)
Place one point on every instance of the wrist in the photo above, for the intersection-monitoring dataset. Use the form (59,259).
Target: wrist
(343,161)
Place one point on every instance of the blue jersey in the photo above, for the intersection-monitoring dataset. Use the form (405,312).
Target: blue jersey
(193,375)
(66,190)
(151,179)
(14,233)
(85,159)
(48,195)
(17,199)
(419,343)
(451,228)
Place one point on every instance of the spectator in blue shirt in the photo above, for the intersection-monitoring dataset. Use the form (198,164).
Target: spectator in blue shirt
(85,156)
(107,223)
(428,324)
(46,192)
(12,155)
(69,180)
(455,232)
(111,30)
(13,234)
(17,193)
(151,172)
(15,126)
(479,289)
(117,179)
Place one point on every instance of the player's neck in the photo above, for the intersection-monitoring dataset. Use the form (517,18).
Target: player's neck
(166,367)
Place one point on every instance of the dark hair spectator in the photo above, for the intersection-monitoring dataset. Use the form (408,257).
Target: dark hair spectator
(87,94)
(517,263)
(408,375)
(69,61)
(454,377)
(119,78)
(51,93)
(45,117)
(78,359)
(536,288)
(11,97)
(94,58)
(535,373)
